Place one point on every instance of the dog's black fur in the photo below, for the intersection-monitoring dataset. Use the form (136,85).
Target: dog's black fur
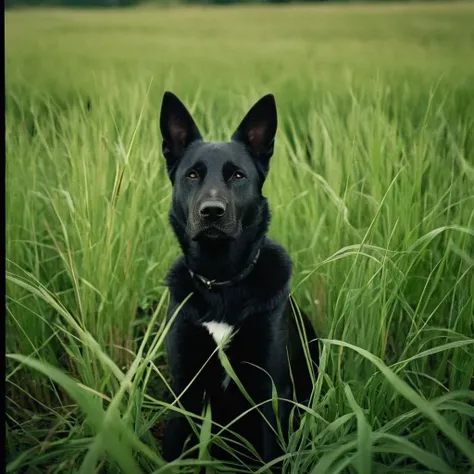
(237,276)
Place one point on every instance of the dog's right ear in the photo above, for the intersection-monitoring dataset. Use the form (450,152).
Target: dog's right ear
(177,129)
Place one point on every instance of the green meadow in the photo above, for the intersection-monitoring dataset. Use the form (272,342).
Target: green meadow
(371,189)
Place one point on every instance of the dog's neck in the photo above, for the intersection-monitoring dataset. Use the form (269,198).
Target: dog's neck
(223,261)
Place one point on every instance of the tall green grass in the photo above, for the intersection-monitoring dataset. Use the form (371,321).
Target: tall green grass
(371,190)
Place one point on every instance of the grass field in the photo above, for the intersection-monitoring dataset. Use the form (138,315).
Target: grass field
(371,190)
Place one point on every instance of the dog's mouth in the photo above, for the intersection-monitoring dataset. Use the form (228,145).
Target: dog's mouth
(212,233)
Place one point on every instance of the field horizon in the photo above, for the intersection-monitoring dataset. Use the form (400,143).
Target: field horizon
(371,190)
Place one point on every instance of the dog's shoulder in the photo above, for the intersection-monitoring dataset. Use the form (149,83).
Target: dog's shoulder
(178,279)
(272,275)
(275,262)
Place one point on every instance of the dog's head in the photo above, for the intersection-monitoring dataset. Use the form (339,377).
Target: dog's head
(217,187)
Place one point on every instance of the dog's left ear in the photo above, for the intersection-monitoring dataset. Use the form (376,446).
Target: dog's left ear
(258,128)
(177,128)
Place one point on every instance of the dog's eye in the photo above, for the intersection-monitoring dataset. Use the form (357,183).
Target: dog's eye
(192,175)
(238,175)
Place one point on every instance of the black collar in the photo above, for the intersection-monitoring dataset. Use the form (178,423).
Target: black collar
(210,283)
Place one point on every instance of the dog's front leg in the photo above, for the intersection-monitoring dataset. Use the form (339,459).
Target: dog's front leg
(178,428)
(184,365)
(277,368)
(271,446)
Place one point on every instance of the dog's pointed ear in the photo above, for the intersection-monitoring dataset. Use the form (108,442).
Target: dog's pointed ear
(177,129)
(258,128)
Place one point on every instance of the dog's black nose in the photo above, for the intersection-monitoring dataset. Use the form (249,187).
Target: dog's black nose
(212,210)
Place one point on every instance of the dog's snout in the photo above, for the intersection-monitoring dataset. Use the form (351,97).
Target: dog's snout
(212,209)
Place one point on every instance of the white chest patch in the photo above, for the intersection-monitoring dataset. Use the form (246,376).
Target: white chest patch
(219,331)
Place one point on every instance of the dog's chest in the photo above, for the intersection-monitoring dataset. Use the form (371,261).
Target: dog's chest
(222,316)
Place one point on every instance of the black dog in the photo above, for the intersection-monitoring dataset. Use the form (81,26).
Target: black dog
(240,282)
